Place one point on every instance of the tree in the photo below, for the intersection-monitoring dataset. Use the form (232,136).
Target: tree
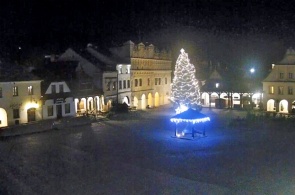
(185,91)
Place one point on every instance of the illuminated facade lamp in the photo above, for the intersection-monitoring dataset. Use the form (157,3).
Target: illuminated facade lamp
(217,85)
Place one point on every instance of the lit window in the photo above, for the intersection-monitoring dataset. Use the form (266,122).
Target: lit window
(290,90)
(271,90)
(281,90)
(30,90)
(217,85)
(15,91)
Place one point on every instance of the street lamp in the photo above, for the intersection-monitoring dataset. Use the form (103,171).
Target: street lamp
(252,70)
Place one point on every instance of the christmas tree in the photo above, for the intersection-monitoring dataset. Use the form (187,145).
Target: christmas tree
(185,91)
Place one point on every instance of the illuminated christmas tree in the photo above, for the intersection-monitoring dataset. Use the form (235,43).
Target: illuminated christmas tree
(185,91)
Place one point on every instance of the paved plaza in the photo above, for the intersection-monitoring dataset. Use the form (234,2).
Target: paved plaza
(136,154)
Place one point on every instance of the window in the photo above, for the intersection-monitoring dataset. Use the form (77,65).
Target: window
(128,83)
(61,88)
(217,85)
(120,84)
(148,81)
(109,86)
(156,81)
(0,92)
(15,113)
(67,108)
(30,90)
(136,82)
(290,90)
(140,82)
(50,110)
(271,90)
(281,90)
(159,81)
(120,69)
(281,75)
(166,80)
(290,75)
(15,91)
(114,85)
(124,84)
(53,89)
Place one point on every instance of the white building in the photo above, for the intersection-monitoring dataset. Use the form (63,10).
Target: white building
(150,74)
(58,101)
(279,85)
(20,102)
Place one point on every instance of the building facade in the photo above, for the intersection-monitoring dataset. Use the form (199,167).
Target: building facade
(150,73)
(20,102)
(279,85)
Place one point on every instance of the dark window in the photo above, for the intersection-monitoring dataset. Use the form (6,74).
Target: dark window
(290,90)
(109,86)
(124,84)
(15,91)
(67,108)
(281,75)
(148,80)
(114,85)
(61,88)
(140,82)
(15,113)
(290,75)
(50,110)
(120,84)
(165,80)
(281,90)
(53,89)
(128,83)
(159,81)
(136,82)
(156,81)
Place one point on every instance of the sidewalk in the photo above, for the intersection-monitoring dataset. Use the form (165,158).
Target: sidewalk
(44,125)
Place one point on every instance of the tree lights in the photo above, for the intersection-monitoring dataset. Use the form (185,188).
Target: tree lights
(185,91)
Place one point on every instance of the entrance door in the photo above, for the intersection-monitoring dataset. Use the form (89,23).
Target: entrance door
(58,111)
(31,114)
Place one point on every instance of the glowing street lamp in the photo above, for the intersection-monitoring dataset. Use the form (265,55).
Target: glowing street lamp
(252,70)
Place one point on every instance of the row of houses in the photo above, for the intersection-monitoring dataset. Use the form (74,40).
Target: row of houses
(85,81)
(81,81)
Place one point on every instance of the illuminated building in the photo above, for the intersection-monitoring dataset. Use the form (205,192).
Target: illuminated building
(150,74)
(279,85)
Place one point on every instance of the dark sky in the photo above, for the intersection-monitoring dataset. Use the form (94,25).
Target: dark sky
(241,33)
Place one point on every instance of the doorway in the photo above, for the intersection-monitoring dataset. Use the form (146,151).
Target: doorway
(31,114)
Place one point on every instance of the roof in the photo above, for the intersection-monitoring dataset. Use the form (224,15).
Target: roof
(14,72)
(289,58)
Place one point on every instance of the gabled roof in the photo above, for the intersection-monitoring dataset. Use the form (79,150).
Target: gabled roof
(215,75)
(289,58)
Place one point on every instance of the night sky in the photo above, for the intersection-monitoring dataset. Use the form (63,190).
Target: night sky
(238,33)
